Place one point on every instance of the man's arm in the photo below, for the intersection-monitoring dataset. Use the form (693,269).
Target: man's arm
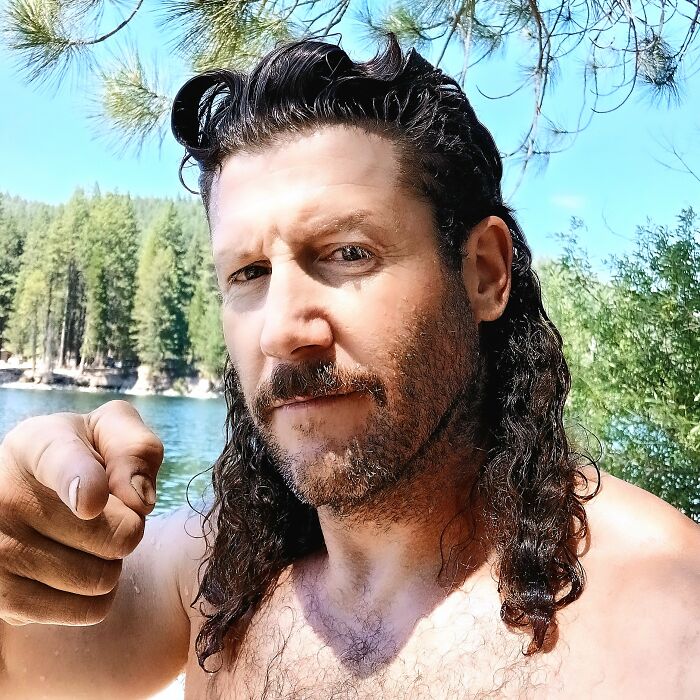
(84,612)
(138,648)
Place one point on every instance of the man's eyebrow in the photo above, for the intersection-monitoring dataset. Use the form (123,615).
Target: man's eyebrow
(352,220)
(344,222)
(335,224)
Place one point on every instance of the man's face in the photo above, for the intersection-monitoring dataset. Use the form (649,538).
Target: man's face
(333,287)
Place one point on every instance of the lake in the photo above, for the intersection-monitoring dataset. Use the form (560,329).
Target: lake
(192,430)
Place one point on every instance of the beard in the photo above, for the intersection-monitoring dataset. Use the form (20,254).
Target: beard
(425,406)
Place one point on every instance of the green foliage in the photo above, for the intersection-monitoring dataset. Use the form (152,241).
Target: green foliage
(162,295)
(40,35)
(27,323)
(11,247)
(633,345)
(206,336)
(131,102)
(75,297)
(110,251)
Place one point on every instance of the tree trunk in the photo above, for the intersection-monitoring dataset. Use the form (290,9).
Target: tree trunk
(34,341)
(78,333)
(47,327)
(64,326)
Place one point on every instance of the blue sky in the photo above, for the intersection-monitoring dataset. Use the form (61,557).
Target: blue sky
(609,177)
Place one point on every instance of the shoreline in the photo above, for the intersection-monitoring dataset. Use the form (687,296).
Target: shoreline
(137,382)
(170,393)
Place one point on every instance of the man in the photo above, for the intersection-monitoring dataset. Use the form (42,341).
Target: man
(397,512)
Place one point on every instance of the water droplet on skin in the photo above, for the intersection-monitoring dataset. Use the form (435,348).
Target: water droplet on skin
(133,583)
(55,653)
(42,679)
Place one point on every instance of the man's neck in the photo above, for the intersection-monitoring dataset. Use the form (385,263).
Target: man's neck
(404,555)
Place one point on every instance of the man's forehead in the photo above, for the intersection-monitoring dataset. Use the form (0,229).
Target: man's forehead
(304,208)
(317,161)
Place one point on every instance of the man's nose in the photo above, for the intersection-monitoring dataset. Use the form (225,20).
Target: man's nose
(295,325)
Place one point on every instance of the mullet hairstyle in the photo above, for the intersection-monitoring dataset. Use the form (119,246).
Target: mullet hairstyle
(530,479)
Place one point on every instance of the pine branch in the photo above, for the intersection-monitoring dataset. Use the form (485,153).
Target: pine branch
(242,49)
(132,106)
(403,20)
(38,31)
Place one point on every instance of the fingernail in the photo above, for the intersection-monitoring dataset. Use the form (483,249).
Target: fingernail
(144,488)
(73,494)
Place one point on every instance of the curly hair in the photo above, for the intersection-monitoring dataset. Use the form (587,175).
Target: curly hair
(531,476)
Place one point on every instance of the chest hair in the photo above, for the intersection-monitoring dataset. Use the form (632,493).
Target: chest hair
(289,655)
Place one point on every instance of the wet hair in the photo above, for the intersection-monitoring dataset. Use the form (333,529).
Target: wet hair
(530,479)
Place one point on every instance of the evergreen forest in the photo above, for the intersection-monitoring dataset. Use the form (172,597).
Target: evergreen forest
(109,280)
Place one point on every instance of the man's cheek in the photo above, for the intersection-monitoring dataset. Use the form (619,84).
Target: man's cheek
(238,343)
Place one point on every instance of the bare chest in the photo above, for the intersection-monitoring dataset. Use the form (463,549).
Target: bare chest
(457,651)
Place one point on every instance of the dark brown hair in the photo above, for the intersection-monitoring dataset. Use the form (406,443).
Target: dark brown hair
(530,478)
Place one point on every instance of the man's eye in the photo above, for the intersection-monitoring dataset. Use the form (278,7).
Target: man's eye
(350,253)
(247,274)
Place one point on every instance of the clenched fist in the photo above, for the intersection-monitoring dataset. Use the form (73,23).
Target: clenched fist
(74,493)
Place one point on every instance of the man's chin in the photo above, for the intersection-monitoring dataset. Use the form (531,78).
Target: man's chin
(324,480)
(344,484)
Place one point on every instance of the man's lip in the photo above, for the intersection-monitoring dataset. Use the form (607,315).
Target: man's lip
(307,399)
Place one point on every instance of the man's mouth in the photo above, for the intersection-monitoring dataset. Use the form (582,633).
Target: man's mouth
(308,401)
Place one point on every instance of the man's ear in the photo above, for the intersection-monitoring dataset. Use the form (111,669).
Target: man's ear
(486,267)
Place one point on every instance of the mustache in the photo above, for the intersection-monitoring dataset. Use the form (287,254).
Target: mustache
(314,380)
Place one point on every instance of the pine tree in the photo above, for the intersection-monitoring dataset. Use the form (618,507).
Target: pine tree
(11,247)
(30,318)
(204,317)
(162,295)
(74,225)
(94,345)
(111,256)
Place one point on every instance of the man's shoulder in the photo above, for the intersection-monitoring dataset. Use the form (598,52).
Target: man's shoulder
(180,540)
(632,525)
(643,577)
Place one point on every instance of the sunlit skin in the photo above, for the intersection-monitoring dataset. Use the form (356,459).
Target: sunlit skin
(374,614)
(353,257)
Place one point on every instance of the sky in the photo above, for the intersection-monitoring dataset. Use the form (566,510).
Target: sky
(609,177)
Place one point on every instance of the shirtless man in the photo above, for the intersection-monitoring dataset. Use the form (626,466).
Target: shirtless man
(397,512)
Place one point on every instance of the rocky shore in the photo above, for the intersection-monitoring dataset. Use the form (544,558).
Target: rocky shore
(139,382)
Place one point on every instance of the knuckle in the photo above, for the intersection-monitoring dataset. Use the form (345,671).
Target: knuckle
(95,609)
(16,435)
(10,599)
(121,405)
(125,537)
(11,550)
(153,446)
(115,406)
(103,579)
(30,429)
